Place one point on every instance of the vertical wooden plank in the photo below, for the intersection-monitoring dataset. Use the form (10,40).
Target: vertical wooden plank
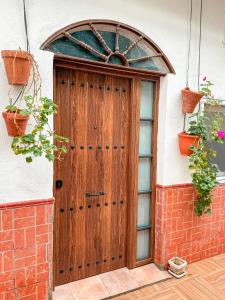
(78,173)
(154,163)
(114,174)
(133,172)
(123,153)
(62,194)
(108,142)
(104,165)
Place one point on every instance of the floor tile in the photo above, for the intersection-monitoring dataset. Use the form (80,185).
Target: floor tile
(119,281)
(205,280)
(148,274)
(91,288)
(111,283)
(63,292)
(198,289)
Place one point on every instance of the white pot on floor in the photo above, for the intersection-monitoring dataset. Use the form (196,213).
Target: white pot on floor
(177,267)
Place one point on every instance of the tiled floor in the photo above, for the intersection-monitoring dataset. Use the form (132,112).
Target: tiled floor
(205,281)
(109,284)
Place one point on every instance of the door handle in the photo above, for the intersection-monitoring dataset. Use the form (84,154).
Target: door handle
(94,194)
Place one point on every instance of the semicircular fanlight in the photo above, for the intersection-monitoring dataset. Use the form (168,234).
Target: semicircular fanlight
(109,42)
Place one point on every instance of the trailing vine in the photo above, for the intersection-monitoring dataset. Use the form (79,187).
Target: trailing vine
(204,172)
(41,140)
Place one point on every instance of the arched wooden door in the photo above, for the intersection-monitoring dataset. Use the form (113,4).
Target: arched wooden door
(106,85)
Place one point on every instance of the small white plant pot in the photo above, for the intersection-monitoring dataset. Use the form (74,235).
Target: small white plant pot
(177,267)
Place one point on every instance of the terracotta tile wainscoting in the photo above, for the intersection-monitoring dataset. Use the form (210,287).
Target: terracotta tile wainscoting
(26,249)
(179,232)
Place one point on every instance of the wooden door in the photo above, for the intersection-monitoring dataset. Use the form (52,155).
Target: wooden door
(92,180)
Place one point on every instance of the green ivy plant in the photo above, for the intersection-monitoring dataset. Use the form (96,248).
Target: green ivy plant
(203,171)
(41,141)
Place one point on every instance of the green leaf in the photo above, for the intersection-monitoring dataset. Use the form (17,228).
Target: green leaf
(63,149)
(24,112)
(28,159)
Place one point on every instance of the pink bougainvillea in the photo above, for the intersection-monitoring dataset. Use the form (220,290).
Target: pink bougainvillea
(221,134)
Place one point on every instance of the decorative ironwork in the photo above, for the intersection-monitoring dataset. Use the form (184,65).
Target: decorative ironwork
(117,49)
(84,45)
(117,52)
(110,45)
(132,45)
(144,58)
(101,39)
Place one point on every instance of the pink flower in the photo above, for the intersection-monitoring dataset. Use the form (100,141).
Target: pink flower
(204,79)
(221,134)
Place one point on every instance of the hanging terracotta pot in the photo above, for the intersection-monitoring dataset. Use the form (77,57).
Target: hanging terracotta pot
(15,123)
(17,65)
(185,141)
(189,100)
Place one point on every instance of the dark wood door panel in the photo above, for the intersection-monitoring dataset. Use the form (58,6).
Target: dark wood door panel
(91,232)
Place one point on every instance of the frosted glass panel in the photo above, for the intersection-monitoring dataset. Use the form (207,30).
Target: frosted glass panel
(144,170)
(146,99)
(143,210)
(143,250)
(145,137)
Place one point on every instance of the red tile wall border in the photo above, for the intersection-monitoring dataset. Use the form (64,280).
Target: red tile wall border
(26,236)
(179,232)
(26,203)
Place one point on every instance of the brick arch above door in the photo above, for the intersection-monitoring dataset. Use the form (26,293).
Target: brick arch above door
(109,43)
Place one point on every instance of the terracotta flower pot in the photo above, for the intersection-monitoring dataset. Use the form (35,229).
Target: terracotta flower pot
(15,123)
(185,141)
(17,65)
(189,100)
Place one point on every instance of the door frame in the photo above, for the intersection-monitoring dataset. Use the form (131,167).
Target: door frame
(135,75)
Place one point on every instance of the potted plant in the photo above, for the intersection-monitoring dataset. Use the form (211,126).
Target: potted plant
(41,140)
(15,121)
(17,65)
(177,267)
(203,170)
(188,140)
(197,124)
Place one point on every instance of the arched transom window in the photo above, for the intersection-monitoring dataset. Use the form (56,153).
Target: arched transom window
(109,42)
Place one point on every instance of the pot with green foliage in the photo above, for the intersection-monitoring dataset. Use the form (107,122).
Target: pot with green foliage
(190,139)
(186,141)
(203,170)
(15,121)
(41,140)
(204,174)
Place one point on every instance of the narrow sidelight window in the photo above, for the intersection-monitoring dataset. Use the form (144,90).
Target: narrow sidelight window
(144,171)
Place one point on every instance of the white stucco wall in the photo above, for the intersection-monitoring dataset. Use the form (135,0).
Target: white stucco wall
(164,21)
